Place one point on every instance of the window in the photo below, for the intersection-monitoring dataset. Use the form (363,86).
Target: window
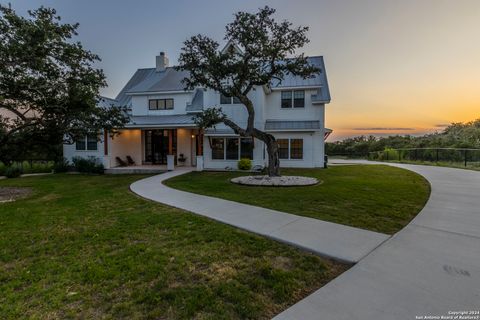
(246,148)
(290,149)
(160,104)
(218,146)
(299,99)
(88,142)
(282,148)
(295,99)
(232,149)
(225,100)
(296,149)
(286,99)
(80,143)
(229,100)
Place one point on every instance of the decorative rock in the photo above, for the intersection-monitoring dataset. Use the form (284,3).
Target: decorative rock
(282,181)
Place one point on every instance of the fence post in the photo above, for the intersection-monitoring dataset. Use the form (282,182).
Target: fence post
(399,156)
(437,154)
(465,155)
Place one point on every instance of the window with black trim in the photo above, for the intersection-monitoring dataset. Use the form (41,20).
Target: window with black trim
(246,148)
(299,99)
(293,99)
(88,142)
(290,149)
(218,145)
(231,149)
(296,148)
(160,104)
(282,148)
(286,99)
(229,100)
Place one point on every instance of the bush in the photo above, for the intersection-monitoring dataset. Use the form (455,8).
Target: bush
(245,164)
(36,166)
(13,172)
(88,165)
(389,154)
(61,166)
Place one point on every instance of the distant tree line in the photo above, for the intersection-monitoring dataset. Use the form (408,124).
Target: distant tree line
(456,135)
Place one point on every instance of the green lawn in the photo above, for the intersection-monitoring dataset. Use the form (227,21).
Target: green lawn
(373,197)
(85,247)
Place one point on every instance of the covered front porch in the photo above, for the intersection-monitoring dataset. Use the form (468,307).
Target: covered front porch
(146,150)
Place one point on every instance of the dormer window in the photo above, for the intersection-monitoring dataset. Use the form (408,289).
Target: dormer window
(228,100)
(293,99)
(160,104)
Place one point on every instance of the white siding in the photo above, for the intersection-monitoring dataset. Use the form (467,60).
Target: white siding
(69,152)
(140,104)
(274,111)
(184,145)
(128,143)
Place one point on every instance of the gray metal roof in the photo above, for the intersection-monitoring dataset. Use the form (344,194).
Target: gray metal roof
(161,121)
(105,102)
(149,80)
(223,131)
(280,125)
(158,81)
(197,102)
(319,80)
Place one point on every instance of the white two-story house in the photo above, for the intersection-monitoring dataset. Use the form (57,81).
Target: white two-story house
(161,122)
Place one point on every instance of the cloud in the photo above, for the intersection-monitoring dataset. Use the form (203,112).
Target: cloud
(441,125)
(383,129)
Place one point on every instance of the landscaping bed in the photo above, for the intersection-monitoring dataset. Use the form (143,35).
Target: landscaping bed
(373,197)
(11,193)
(83,246)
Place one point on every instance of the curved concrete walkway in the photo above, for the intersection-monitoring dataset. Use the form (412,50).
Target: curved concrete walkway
(328,239)
(429,268)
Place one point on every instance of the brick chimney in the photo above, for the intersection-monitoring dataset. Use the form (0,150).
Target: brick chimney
(161,62)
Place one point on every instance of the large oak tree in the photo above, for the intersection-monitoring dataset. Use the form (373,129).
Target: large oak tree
(262,50)
(48,85)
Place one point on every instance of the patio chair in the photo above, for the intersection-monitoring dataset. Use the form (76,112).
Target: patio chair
(130,161)
(120,162)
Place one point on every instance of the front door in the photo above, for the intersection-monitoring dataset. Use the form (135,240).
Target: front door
(159,144)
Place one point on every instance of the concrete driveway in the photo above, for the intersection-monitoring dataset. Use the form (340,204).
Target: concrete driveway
(429,268)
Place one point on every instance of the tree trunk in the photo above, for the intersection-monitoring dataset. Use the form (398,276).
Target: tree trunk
(273,168)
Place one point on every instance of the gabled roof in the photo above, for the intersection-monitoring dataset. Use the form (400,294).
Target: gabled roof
(318,81)
(150,81)
(197,102)
(105,102)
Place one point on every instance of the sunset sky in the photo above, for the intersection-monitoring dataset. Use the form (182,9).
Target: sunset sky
(394,67)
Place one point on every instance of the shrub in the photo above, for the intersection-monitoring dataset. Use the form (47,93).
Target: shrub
(88,165)
(61,166)
(13,172)
(389,154)
(245,164)
(36,166)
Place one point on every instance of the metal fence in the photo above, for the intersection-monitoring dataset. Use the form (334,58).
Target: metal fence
(450,156)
